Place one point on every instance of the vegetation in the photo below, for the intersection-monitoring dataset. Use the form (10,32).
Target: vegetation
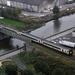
(26,72)
(12,23)
(56,9)
(11,69)
(2,70)
(11,13)
(58,71)
(56,12)
(46,64)
(25,23)
(41,62)
(29,22)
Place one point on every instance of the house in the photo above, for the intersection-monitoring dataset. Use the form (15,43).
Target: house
(31,5)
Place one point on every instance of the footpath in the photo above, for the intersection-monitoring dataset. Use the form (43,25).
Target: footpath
(13,56)
(60,34)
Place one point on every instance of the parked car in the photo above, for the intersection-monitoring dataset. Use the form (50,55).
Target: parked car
(69,1)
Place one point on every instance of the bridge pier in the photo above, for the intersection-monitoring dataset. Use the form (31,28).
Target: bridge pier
(3,36)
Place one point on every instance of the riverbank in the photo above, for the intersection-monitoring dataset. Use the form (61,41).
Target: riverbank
(60,34)
(30,22)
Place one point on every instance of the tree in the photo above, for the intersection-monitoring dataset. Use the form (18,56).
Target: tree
(27,72)
(11,69)
(58,71)
(56,12)
(55,9)
(41,66)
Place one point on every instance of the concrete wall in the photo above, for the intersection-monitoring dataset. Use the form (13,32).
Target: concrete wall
(61,2)
(3,36)
(45,4)
(3,2)
(23,6)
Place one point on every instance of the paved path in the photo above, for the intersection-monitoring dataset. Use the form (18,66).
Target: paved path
(10,54)
(19,63)
(65,6)
(60,34)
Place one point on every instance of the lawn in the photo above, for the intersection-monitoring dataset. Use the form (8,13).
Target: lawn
(11,23)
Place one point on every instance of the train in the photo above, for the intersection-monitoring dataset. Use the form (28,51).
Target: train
(41,41)
(67,43)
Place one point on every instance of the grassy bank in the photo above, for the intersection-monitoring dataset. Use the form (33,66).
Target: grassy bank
(12,23)
(35,22)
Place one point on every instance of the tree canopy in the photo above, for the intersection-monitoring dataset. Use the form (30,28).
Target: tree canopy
(55,9)
(11,69)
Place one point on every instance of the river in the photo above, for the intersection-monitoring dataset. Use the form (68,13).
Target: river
(9,44)
(55,26)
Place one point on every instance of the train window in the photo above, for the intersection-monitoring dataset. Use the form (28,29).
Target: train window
(52,46)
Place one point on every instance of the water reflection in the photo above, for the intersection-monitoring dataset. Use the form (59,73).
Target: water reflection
(9,44)
(54,27)
(6,44)
(57,24)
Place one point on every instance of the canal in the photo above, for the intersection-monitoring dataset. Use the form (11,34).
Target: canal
(9,44)
(55,26)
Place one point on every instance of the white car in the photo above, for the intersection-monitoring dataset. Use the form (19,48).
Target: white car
(60,7)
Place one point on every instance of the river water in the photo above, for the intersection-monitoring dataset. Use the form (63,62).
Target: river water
(55,26)
(9,44)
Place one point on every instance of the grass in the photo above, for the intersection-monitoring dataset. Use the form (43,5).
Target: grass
(11,23)
(30,56)
(2,70)
(28,66)
(45,50)
(74,51)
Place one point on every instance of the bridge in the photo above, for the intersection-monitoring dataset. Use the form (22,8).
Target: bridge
(14,33)
(28,38)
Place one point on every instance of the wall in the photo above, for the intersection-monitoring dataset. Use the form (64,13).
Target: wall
(61,2)
(43,6)
(3,36)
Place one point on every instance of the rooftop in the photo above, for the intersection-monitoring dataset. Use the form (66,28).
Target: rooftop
(31,2)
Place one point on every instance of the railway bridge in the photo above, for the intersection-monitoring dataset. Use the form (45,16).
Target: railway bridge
(28,38)
(13,33)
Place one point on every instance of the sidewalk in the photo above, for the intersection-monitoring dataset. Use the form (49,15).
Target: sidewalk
(60,34)
(19,63)
(12,56)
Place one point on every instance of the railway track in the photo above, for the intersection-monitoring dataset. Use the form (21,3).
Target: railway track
(71,57)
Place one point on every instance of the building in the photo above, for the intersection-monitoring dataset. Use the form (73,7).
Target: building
(32,5)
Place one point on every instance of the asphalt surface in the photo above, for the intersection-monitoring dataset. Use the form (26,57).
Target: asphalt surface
(12,56)
(60,35)
(35,14)
(19,63)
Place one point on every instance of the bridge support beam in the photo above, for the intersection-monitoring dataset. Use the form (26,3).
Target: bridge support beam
(3,36)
